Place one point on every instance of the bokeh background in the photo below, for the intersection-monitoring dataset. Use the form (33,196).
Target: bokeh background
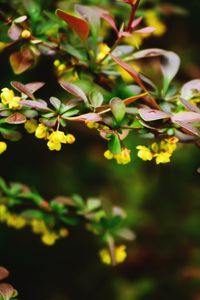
(162,202)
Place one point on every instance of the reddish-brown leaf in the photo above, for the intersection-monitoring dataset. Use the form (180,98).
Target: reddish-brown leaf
(21,60)
(16,118)
(80,26)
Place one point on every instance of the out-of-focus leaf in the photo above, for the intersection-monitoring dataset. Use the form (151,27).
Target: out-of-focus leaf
(80,26)
(122,50)
(118,109)
(20,19)
(191,88)
(190,106)
(186,116)
(21,60)
(148,114)
(14,31)
(3,273)
(7,291)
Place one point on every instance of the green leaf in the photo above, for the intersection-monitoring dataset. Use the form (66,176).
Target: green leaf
(118,109)
(114,144)
(96,98)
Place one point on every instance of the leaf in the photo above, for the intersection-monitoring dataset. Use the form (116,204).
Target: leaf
(91,13)
(186,116)
(3,273)
(96,98)
(55,102)
(189,89)
(134,74)
(16,118)
(93,117)
(34,86)
(145,30)
(92,204)
(70,113)
(188,127)
(118,109)
(132,99)
(21,60)
(22,88)
(20,19)
(170,62)
(14,31)
(35,104)
(33,214)
(114,144)
(148,114)
(189,105)
(80,26)
(74,90)
(122,50)
(109,19)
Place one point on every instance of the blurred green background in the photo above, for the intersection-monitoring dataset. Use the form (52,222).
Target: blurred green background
(162,202)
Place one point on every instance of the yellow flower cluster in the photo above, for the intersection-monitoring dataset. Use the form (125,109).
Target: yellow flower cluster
(120,255)
(8,98)
(56,138)
(122,158)
(152,20)
(11,220)
(60,67)
(38,226)
(3,147)
(47,237)
(161,152)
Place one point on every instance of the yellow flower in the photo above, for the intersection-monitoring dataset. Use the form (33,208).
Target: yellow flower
(3,147)
(103,51)
(7,95)
(70,138)
(123,157)
(49,238)
(14,103)
(3,212)
(26,34)
(108,154)
(58,137)
(120,255)
(56,63)
(30,126)
(61,68)
(162,158)
(17,222)
(54,146)
(144,153)
(38,226)
(92,125)
(41,131)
